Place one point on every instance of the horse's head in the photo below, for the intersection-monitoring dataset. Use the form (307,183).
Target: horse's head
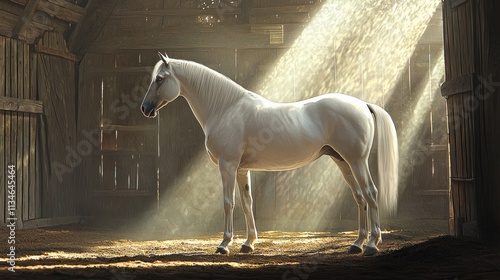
(164,88)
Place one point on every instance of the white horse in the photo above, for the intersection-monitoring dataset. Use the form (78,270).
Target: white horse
(244,131)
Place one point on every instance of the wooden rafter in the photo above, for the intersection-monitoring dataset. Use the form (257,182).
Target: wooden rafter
(94,17)
(26,17)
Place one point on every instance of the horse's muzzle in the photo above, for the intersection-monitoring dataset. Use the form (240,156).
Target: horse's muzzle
(148,110)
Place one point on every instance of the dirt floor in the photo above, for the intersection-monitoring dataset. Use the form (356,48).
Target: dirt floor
(409,251)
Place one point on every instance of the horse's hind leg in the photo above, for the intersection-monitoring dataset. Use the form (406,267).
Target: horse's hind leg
(362,175)
(243,179)
(357,247)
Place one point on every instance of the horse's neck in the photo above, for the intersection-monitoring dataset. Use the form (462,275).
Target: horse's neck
(208,93)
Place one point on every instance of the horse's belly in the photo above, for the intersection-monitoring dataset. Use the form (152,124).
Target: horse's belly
(278,158)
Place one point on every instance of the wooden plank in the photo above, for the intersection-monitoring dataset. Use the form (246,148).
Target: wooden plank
(31,141)
(56,52)
(3,159)
(93,19)
(68,6)
(17,145)
(11,8)
(121,69)
(452,122)
(26,18)
(44,151)
(58,135)
(456,3)
(26,134)
(61,12)
(35,168)
(7,115)
(137,128)
(50,222)
(3,166)
(2,67)
(7,23)
(123,193)
(246,10)
(227,37)
(21,105)
(88,122)
(147,173)
(131,14)
(456,85)
(111,162)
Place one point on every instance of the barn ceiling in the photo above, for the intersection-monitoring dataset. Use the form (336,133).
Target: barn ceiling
(79,20)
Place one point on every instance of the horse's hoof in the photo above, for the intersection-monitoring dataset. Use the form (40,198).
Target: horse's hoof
(222,251)
(354,250)
(370,251)
(246,249)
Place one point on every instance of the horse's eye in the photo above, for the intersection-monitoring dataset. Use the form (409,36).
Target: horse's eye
(159,79)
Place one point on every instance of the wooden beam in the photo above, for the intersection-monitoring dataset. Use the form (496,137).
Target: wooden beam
(171,12)
(7,23)
(231,37)
(21,105)
(26,18)
(457,85)
(246,7)
(57,8)
(245,11)
(456,3)
(54,52)
(94,17)
(11,7)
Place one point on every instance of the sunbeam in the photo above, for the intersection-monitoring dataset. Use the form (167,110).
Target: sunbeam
(359,48)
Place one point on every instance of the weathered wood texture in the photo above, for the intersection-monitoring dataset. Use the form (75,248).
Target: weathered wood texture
(80,21)
(27,20)
(471,36)
(20,112)
(37,116)
(60,153)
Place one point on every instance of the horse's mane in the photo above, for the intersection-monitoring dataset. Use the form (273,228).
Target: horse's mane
(218,90)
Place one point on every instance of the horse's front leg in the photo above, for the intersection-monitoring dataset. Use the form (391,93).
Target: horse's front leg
(228,174)
(243,179)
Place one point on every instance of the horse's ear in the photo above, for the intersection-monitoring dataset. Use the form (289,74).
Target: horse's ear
(164,58)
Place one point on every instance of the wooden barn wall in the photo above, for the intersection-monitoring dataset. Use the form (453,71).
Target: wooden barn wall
(472,48)
(122,58)
(20,112)
(37,117)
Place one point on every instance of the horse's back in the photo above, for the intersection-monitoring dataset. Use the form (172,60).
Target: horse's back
(288,135)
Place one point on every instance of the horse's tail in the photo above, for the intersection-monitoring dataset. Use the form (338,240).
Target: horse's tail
(387,158)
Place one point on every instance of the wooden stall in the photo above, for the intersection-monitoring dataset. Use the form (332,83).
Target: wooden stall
(472,44)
